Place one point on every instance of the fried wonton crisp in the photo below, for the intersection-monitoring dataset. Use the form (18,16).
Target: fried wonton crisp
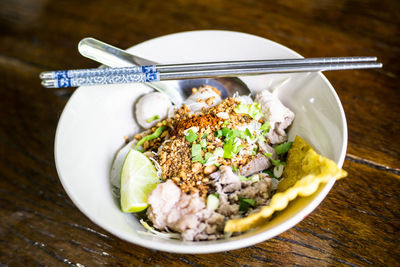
(304,171)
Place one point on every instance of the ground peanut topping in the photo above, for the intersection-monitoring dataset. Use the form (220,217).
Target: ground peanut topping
(174,151)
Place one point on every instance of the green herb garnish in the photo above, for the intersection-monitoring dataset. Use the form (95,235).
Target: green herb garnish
(261,138)
(253,110)
(231,148)
(277,162)
(232,134)
(267,155)
(235,169)
(244,178)
(244,203)
(196,153)
(274,162)
(269,173)
(248,133)
(265,127)
(204,136)
(156,117)
(283,148)
(207,156)
(254,152)
(253,178)
(152,136)
(218,133)
(225,123)
(203,144)
(191,136)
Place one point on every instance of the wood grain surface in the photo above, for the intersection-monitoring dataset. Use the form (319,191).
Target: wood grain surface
(356,225)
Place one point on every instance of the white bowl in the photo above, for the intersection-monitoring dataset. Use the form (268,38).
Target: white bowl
(95,119)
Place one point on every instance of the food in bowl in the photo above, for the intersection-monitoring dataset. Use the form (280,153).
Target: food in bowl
(211,167)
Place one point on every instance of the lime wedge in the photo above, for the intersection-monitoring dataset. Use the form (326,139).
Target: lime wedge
(138,179)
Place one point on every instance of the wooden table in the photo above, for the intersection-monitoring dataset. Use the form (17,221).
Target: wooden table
(356,225)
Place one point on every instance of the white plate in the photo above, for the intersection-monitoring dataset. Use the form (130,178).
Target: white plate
(95,119)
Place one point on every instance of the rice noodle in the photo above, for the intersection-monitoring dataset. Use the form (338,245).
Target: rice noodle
(154,232)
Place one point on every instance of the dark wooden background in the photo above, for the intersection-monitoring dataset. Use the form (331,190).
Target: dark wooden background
(356,225)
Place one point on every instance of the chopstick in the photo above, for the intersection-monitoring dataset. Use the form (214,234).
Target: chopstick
(200,66)
(152,73)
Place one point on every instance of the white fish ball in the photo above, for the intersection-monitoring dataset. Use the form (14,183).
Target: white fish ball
(151,108)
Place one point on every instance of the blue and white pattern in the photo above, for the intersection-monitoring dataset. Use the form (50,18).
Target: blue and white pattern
(107,79)
(100,72)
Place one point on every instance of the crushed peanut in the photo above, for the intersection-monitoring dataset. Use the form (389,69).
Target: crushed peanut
(173,151)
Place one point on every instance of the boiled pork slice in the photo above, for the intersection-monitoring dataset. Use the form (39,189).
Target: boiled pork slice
(278,116)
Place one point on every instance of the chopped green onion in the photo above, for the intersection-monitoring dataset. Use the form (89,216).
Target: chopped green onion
(212,158)
(215,194)
(212,202)
(265,127)
(232,134)
(225,123)
(283,148)
(204,136)
(278,170)
(253,178)
(254,152)
(152,136)
(251,109)
(269,173)
(277,162)
(191,136)
(261,138)
(225,131)
(218,152)
(245,202)
(196,153)
(203,143)
(207,156)
(218,133)
(274,162)
(156,117)
(231,148)
(248,133)
(235,169)
(243,178)
(267,155)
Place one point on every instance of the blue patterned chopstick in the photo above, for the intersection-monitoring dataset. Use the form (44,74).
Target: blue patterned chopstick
(63,82)
(80,73)
(176,75)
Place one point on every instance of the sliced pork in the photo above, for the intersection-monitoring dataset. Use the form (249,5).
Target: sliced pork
(183,213)
(278,116)
(259,163)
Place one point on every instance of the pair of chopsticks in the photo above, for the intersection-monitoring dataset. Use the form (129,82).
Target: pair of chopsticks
(154,73)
